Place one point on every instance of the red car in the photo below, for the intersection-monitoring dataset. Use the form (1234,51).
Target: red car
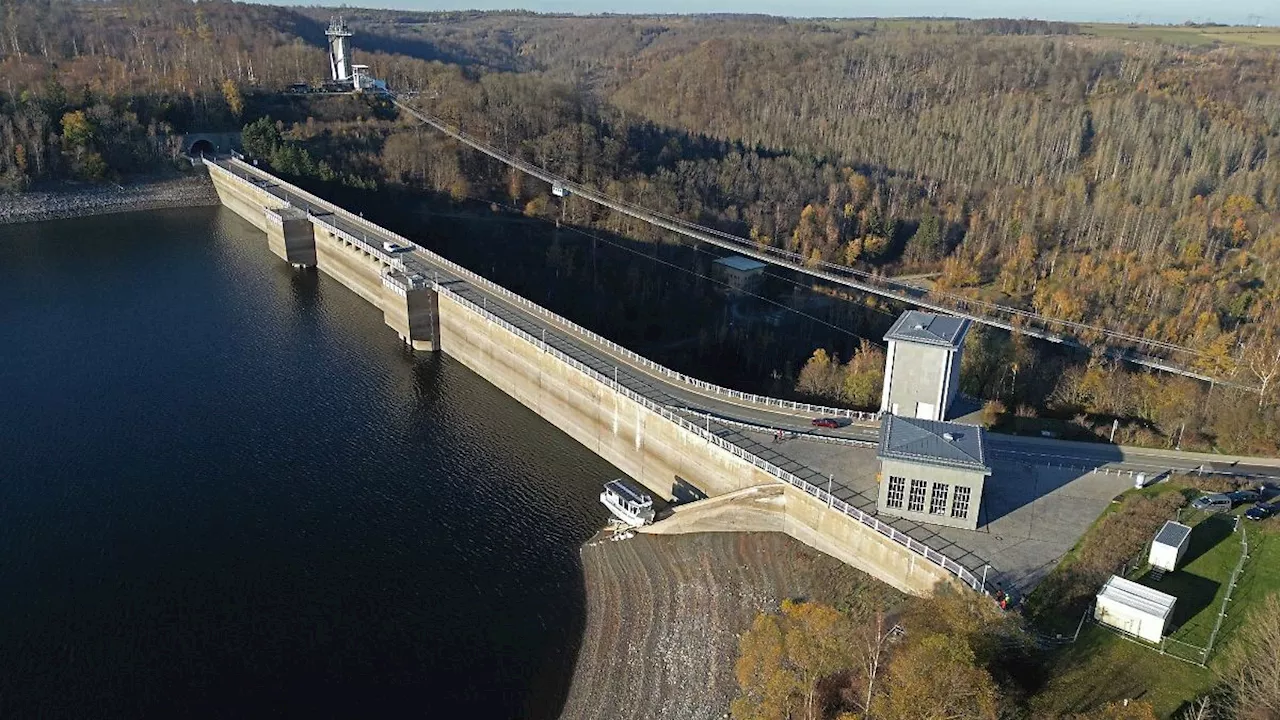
(826,422)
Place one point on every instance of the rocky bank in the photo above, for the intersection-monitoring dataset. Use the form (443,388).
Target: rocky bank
(664,614)
(77,200)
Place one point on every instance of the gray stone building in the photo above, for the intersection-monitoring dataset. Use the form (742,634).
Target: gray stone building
(932,471)
(922,370)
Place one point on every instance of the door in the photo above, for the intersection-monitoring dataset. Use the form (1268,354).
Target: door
(926,411)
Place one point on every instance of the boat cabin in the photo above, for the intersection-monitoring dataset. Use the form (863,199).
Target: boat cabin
(629,505)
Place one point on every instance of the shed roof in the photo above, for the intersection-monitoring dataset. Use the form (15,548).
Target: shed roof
(929,329)
(1137,596)
(933,442)
(1173,534)
(740,263)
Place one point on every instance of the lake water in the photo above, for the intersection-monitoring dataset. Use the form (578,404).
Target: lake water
(226,489)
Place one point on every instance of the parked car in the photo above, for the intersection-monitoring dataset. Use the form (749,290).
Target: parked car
(1240,497)
(1215,502)
(826,422)
(1262,510)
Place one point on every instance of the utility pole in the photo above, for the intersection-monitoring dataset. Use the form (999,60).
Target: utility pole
(830,499)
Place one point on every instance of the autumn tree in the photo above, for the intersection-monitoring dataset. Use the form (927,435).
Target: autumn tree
(937,678)
(784,656)
(235,101)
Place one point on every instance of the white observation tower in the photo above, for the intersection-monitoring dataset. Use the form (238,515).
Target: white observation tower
(339,50)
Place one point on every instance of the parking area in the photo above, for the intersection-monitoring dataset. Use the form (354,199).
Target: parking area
(1032,513)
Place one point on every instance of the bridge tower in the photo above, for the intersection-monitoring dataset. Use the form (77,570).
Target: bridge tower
(339,49)
(922,370)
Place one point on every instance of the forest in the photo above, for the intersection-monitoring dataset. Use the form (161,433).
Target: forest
(1131,185)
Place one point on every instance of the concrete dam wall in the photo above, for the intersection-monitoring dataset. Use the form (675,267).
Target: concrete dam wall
(671,456)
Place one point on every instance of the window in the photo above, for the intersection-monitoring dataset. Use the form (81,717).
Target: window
(960,504)
(938,500)
(916,502)
(897,487)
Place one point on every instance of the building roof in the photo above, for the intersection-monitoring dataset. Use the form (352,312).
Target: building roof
(1173,534)
(1136,596)
(740,263)
(929,329)
(933,442)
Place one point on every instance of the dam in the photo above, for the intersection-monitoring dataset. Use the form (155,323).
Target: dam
(627,409)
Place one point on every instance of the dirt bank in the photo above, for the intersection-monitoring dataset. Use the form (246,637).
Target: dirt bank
(80,200)
(664,614)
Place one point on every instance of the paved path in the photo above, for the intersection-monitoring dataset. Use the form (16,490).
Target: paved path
(1042,496)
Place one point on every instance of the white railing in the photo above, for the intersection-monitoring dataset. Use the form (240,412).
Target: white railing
(964,574)
(539,311)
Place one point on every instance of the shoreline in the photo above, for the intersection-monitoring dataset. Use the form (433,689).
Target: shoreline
(665,612)
(71,201)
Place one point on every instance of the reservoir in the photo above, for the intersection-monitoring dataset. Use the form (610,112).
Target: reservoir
(227,489)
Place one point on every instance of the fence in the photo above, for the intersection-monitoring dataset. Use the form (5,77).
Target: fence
(1190,652)
(965,575)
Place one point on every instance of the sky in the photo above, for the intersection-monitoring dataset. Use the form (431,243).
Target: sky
(1235,12)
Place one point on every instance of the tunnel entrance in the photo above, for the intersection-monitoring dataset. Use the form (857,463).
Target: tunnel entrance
(201,148)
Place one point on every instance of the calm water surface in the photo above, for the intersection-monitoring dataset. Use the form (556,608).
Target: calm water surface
(226,490)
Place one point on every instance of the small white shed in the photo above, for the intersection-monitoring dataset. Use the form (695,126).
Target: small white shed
(1134,609)
(1169,546)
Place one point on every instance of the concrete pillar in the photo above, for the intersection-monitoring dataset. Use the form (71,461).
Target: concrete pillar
(414,313)
(291,236)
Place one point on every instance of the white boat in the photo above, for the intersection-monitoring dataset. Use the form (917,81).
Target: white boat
(627,504)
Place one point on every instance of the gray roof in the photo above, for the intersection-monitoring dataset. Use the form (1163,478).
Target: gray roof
(1138,596)
(740,263)
(929,328)
(925,441)
(1172,534)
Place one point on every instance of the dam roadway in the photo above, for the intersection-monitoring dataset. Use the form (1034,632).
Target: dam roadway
(525,350)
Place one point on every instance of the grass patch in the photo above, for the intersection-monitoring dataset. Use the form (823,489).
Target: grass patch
(1103,666)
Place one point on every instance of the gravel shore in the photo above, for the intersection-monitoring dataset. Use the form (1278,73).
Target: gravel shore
(664,614)
(80,200)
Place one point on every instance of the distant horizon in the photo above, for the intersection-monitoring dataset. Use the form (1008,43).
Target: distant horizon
(1142,12)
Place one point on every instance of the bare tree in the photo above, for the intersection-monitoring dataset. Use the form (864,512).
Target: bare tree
(872,641)
(1262,354)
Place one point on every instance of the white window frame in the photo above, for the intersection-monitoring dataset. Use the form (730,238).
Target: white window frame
(916,498)
(938,497)
(960,501)
(897,492)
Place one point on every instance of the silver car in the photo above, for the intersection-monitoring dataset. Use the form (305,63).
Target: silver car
(1216,502)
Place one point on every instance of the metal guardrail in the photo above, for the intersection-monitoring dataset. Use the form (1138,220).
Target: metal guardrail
(964,574)
(535,309)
